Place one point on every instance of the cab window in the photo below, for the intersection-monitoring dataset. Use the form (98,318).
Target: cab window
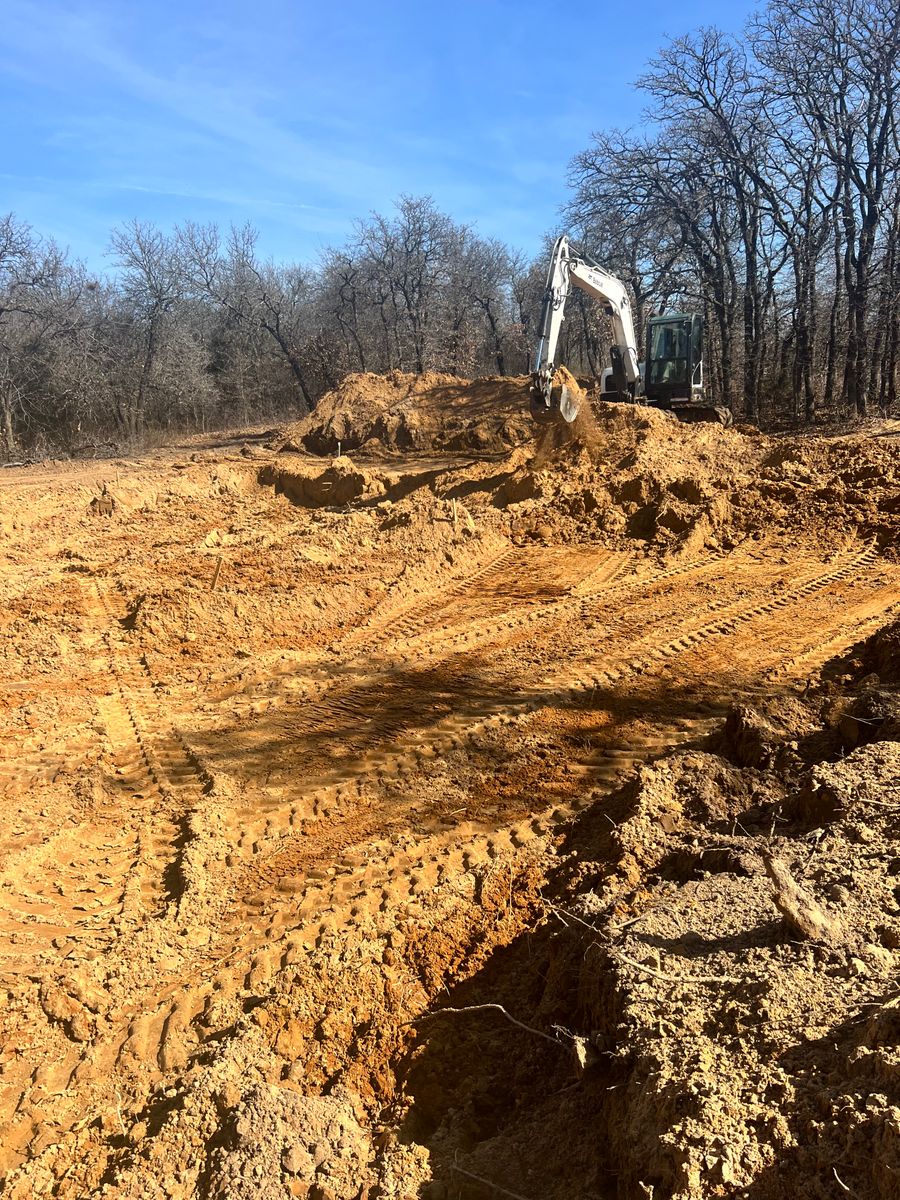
(669,351)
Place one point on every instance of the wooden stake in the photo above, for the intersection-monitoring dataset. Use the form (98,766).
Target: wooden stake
(216,574)
(455,517)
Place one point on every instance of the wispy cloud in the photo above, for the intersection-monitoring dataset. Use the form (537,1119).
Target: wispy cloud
(301,117)
(35,31)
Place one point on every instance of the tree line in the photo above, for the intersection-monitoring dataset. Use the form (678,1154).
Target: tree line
(763,190)
(767,195)
(194,328)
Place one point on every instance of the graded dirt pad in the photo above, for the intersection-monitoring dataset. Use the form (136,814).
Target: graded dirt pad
(594,743)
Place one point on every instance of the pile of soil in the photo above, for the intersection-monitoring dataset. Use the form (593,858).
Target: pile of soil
(628,473)
(759,1054)
(340,484)
(621,474)
(402,412)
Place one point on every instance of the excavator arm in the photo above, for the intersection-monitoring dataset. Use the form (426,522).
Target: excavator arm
(550,403)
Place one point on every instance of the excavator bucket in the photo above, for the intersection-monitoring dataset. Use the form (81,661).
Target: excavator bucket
(554,400)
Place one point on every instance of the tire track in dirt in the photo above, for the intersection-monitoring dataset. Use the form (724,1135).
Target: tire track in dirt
(160,770)
(861,621)
(380,710)
(415,612)
(421,637)
(486,601)
(159,1038)
(336,879)
(300,898)
(742,613)
(489,588)
(328,802)
(705,659)
(482,602)
(77,884)
(161,782)
(121,867)
(126,869)
(577,611)
(422,643)
(365,882)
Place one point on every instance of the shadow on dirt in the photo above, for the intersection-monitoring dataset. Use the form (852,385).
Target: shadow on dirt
(501,1109)
(449,724)
(864,1049)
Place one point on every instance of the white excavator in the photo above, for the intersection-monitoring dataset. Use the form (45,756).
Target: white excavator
(670,379)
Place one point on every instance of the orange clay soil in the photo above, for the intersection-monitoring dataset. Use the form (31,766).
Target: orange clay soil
(299,752)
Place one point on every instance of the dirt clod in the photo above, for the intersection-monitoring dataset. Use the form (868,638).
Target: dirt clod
(803,913)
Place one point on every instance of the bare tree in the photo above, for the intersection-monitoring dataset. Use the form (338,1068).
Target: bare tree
(253,293)
(841,61)
(152,284)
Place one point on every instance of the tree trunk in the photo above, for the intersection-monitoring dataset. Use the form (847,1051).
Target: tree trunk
(137,416)
(293,362)
(7,425)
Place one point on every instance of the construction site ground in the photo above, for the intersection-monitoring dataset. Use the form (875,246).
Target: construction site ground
(398,805)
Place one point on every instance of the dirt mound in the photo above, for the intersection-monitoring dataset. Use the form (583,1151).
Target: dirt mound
(274,1136)
(621,473)
(756,1060)
(828,481)
(341,483)
(625,471)
(880,654)
(402,412)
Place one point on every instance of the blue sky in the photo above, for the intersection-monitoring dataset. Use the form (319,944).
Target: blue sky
(301,117)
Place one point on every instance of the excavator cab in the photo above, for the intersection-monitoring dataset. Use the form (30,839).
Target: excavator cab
(673,372)
(674,369)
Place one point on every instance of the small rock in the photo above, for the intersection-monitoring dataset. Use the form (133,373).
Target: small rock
(798,907)
(228,1095)
(838,893)
(294,1160)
